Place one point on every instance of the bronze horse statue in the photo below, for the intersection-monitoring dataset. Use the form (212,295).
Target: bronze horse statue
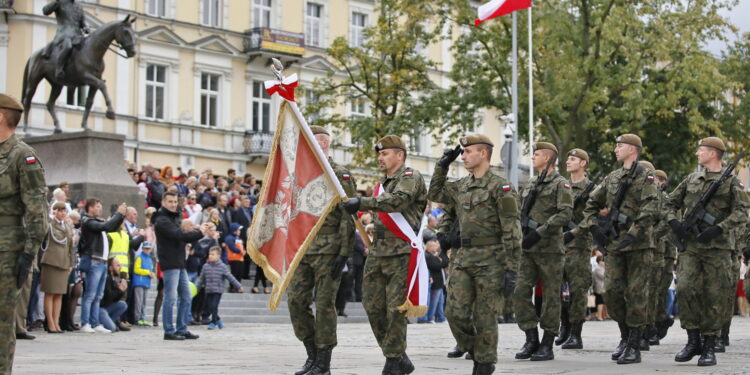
(85,67)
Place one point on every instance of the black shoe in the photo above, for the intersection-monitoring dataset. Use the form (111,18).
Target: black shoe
(574,341)
(708,358)
(531,344)
(392,366)
(632,353)
(343,314)
(509,318)
(122,327)
(455,353)
(322,364)
(623,341)
(663,327)
(469,356)
(692,348)
(406,366)
(544,352)
(564,333)
(24,336)
(188,335)
(311,355)
(643,345)
(483,368)
(719,346)
(173,336)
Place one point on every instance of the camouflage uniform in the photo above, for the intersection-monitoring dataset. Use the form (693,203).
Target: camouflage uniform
(335,237)
(577,260)
(664,258)
(487,210)
(706,268)
(384,280)
(553,210)
(628,269)
(23,220)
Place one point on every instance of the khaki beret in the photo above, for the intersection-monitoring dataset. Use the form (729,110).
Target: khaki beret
(713,142)
(319,130)
(475,139)
(545,146)
(647,165)
(390,141)
(630,139)
(59,206)
(660,173)
(577,152)
(8,102)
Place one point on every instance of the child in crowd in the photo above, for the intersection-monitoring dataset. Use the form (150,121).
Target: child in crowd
(143,272)
(235,252)
(213,274)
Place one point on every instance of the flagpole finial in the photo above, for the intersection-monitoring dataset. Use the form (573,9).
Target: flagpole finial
(277,68)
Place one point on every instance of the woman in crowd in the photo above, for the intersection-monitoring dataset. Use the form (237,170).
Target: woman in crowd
(75,282)
(601,309)
(57,262)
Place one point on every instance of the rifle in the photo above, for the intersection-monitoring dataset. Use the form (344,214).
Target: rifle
(526,222)
(615,218)
(580,199)
(698,213)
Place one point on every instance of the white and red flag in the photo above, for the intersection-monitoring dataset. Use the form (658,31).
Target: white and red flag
(498,8)
(299,190)
(418,276)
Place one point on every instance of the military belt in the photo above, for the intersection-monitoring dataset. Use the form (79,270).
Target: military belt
(382,234)
(328,230)
(10,221)
(481,241)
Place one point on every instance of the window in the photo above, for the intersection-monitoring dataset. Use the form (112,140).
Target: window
(76,96)
(416,141)
(312,24)
(261,13)
(155,82)
(156,8)
(311,98)
(211,11)
(359,21)
(358,108)
(261,108)
(209,99)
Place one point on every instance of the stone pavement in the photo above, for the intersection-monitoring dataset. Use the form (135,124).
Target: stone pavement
(260,349)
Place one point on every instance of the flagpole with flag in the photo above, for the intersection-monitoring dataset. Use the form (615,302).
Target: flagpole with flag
(531,93)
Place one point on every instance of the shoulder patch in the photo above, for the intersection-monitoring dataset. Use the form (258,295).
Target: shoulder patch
(742,186)
(650,177)
(506,187)
(346,176)
(567,186)
(408,173)
(31,159)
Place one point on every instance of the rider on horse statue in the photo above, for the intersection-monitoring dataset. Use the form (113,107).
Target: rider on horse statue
(71,29)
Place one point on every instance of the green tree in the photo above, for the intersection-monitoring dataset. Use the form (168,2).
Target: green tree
(601,68)
(736,65)
(387,73)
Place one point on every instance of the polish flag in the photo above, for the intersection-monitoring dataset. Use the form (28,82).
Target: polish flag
(497,8)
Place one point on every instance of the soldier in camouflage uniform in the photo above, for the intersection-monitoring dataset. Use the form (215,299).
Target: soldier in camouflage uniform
(384,281)
(706,271)
(656,264)
(487,210)
(629,254)
(577,260)
(542,257)
(320,270)
(665,256)
(23,220)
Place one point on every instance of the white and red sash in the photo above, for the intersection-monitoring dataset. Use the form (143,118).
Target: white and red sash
(418,276)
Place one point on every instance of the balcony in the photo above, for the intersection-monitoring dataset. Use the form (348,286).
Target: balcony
(257,144)
(6,6)
(266,42)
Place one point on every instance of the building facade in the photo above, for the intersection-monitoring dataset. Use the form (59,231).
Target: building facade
(193,95)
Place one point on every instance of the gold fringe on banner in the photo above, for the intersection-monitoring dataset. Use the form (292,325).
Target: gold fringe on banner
(412,311)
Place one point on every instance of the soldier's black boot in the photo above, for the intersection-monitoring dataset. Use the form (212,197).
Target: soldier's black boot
(322,364)
(392,366)
(531,344)
(564,332)
(708,358)
(509,318)
(455,353)
(623,341)
(632,353)
(653,335)
(725,333)
(406,366)
(574,341)
(545,352)
(311,350)
(643,342)
(483,368)
(719,346)
(692,348)
(664,327)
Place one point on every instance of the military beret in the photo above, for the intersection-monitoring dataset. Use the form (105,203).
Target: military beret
(390,141)
(475,139)
(630,139)
(660,173)
(713,142)
(647,165)
(59,206)
(319,130)
(577,152)
(8,102)
(545,146)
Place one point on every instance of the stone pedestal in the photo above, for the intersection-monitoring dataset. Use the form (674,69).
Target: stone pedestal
(92,163)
